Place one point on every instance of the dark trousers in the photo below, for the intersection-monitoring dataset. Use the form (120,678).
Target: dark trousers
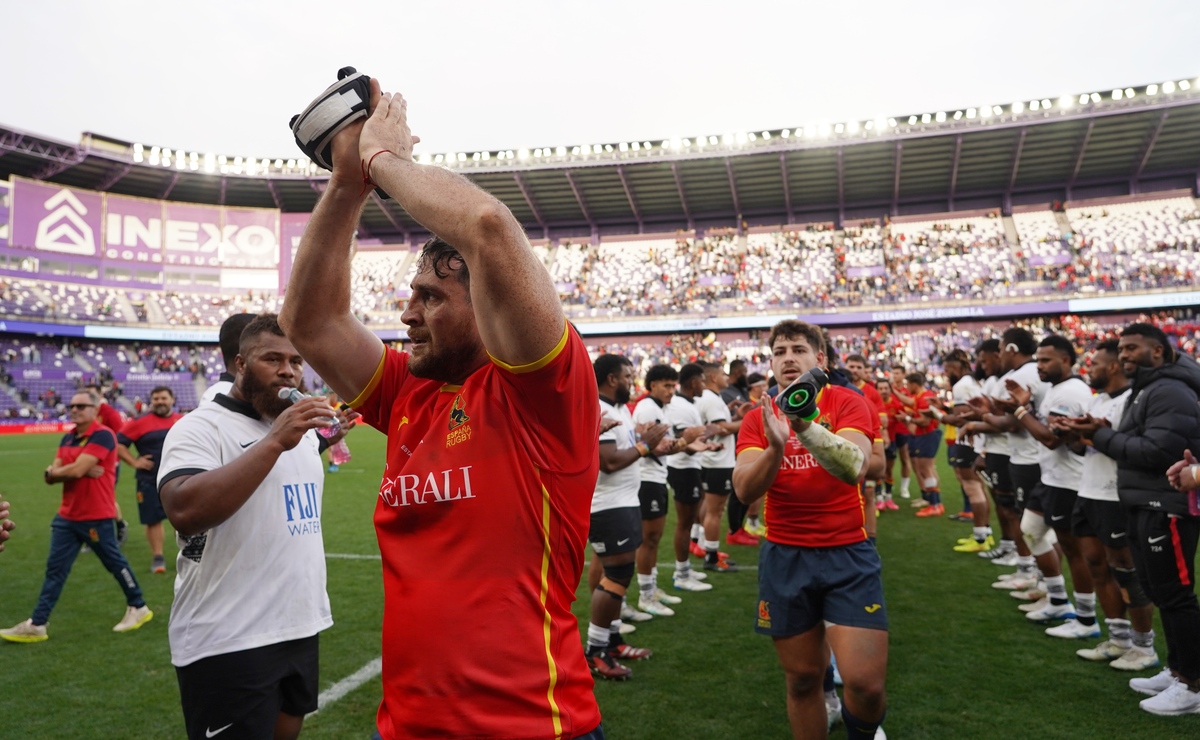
(65,538)
(1164,554)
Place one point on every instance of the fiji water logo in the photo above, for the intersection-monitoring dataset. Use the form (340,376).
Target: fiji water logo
(300,501)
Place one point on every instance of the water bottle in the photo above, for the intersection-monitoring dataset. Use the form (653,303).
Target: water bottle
(294,395)
(339,454)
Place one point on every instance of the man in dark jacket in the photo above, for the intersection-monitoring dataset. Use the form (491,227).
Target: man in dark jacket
(1161,421)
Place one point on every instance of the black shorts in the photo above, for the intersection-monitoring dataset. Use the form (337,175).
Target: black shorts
(1025,478)
(960,456)
(150,508)
(891,450)
(925,445)
(999,477)
(653,498)
(718,480)
(614,531)
(1058,506)
(244,692)
(1105,520)
(901,440)
(798,587)
(685,484)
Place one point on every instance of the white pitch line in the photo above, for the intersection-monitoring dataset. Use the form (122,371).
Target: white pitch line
(351,556)
(348,684)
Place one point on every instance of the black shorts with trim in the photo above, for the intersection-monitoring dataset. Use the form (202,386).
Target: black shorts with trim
(799,587)
(1105,520)
(150,508)
(1058,506)
(241,694)
(614,531)
(686,484)
(960,456)
(718,481)
(653,498)
(1025,479)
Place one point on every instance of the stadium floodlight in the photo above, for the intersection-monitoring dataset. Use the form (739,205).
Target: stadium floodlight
(1185,85)
(1129,92)
(1118,94)
(462,157)
(646,145)
(997,110)
(1152,89)
(1168,87)
(1066,101)
(1096,97)
(892,123)
(958,115)
(971,113)
(1018,107)
(853,127)
(740,137)
(713,140)
(561,151)
(575,151)
(823,130)
(1034,105)
(912,120)
(940,116)
(438,159)
(425,158)
(752,136)
(766,135)
(785,134)
(1046,104)
(607,148)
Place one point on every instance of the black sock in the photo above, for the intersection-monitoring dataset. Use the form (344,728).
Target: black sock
(829,679)
(857,729)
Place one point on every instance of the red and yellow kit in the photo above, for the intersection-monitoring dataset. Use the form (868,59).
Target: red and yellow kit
(806,506)
(482,520)
(89,499)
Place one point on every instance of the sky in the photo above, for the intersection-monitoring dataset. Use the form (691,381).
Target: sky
(225,77)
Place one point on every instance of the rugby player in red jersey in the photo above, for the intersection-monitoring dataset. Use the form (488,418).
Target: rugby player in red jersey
(492,449)
(924,444)
(148,432)
(818,566)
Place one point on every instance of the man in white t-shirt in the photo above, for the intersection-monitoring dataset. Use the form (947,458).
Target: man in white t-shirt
(1048,509)
(717,465)
(1100,524)
(961,452)
(229,337)
(241,480)
(616,522)
(683,475)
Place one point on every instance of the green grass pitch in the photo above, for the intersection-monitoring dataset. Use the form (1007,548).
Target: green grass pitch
(964,662)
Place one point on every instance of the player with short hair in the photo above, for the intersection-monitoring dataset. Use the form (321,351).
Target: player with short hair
(924,444)
(684,476)
(148,432)
(961,454)
(860,373)
(817,566)
(86,464)
(230,337)
(722,425)
(902,433)
(894,428)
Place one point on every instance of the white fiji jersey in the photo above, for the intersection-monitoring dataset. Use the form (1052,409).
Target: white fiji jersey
(649,411)
(221,386)
(681,414)
(964,390)
(1023,448)
(995,444)
(1062,468)
(620,489)
(1099,470)
(259,577)
(712,409)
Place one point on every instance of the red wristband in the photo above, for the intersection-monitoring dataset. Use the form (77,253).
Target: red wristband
(366,171)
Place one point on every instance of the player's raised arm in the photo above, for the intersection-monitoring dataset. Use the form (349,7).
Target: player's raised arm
(516,306)
(316,314)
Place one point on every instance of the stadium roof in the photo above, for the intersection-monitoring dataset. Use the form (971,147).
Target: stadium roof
(1122,141)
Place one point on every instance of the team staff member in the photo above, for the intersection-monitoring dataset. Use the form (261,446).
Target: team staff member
(242,481)
(1161,421)
(492,450)
(817,566)
(148,433)
(111,418)
(86,464)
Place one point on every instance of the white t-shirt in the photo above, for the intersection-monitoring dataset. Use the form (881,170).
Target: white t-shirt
(995,444)
(258,578)
(651,469)
(221,386)
(964,390)
(681,414)
(1099,470)
(1061,467)
(1023,448)
(620,489)
(712,410)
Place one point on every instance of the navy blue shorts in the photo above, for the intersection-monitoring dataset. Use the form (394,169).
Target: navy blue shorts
(960,456)
(799,587)
(925,445)
(891,450)
(150,508)
(900,440)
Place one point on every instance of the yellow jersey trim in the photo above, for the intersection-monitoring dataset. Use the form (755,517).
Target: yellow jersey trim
(747,449)
(450,388)
(537,364)
(362,397)
(555,712)
(853,429)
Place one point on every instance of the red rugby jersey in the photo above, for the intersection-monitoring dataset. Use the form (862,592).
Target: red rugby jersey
(895,411)
(921,403)
(806,506)
(876,402)
(110,417)
(482,520)
(88,499)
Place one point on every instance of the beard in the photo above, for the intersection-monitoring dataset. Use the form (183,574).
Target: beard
(163,411)
(622,395)
(263,397)
(451,364)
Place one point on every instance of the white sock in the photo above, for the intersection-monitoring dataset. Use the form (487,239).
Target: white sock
(697,532)
(683,569)
(1143,640)
(646,585)
(1085,608)
(982,533)
(1027,565)
(614,628)
(904,488)
(597,636)
(1118,632)
(654,575)
(711,545)
(1056,589)
(1008,545)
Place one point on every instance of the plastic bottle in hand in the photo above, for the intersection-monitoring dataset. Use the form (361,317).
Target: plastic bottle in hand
(339,454)
(294,395)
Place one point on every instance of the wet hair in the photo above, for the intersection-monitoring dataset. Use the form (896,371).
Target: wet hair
(230,336)
(606,365)
(1021,339)
(1062,344)
(660,372)
(444,260)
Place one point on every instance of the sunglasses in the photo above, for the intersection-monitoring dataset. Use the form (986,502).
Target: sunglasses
(77,406)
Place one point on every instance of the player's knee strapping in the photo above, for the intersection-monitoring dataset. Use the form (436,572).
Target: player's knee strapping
(1131,587)
(930,483)
(1037,534)
(616,579)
